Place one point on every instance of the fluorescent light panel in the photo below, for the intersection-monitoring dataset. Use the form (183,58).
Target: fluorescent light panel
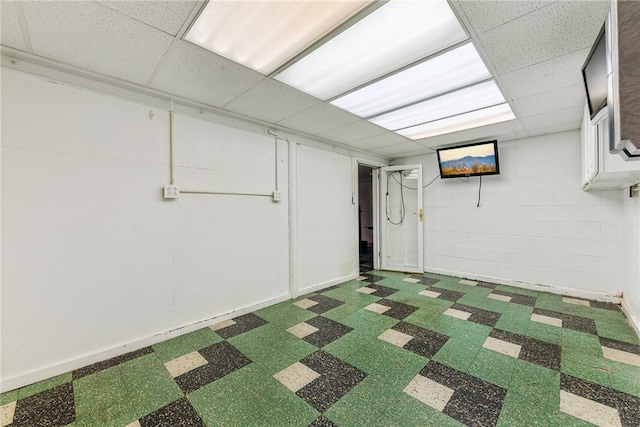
(451,70)
(451,104)
(483,117)
(397,34)
(264,35)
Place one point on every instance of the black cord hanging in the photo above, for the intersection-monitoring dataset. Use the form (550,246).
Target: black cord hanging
(479,188)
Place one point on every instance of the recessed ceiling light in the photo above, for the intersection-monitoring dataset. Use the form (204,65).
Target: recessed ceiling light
(263,35)
(483,117)
(451,70)
(395,35)
(454,103)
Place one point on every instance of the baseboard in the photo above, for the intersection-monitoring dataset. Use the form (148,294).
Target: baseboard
(324,285)
(12,383)
(554,289)
(631,317)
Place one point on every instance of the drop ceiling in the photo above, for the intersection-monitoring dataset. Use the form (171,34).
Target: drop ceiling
(534,49)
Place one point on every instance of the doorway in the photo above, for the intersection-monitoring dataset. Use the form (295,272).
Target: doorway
(365,217)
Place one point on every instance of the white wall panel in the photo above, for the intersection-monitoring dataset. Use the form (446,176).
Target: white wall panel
(326,227)
(94,260)
(534,225)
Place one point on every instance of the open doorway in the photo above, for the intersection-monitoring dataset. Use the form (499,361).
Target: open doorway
(365,216)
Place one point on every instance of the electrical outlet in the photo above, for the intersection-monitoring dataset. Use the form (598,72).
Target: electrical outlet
(277,196)
(171,191)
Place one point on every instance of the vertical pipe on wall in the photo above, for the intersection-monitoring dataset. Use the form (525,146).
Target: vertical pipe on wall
(293,219)
(171,143)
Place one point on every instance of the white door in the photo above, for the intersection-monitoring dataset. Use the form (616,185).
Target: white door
(401,217)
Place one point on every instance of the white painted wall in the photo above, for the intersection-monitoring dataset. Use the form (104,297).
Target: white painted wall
(326,218)
(631,258)
(535,225)
(95,261)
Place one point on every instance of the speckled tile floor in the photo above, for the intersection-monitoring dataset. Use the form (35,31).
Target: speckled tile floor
(389,349)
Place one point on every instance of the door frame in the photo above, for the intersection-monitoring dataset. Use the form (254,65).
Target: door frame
(375,195)
(419,216)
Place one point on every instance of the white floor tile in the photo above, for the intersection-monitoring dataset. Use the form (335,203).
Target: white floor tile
(468,282)
(503,347)
(576,301)
(546,320)
(365,290)
(377,308)
(588,410)
(430,294)
(223,324)
(396,338)
(499,297)
(302,330)
(305,303)
(621,356)
(7,413)
(296,376)
(411,280)
(457,313)
(429,392)
(184,364)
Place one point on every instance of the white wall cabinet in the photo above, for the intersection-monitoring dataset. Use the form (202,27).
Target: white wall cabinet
(602,170)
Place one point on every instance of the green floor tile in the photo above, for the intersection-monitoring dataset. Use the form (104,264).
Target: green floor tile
(493,367)
(149,385)
(124,393)
(624,377)
(546,333)
(356,299)
(518,411)
(369,323)
(363,404)
(44,385)
(400,368)
(541,385)
(587,342)
(9,396)
(578,355)
(407,411)
(596,374)
(459,353)
(220,404)
(340,312)
(179,346)
(285,314)
(274,353)
(484,303)
(424,317)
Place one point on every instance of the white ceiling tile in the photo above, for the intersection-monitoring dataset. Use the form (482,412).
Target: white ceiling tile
(494,131)
(401,150)
(271,101)
(168,16)
(379,141)
(488,14)
(546,76)
(353,132)
(564,127)
(194,73)
(561,99)
(92,37)
(558,29)
(11,34)
(554,118)
(319,119)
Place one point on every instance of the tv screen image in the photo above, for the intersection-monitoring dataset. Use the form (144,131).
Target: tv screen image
(475,159)
(595,74)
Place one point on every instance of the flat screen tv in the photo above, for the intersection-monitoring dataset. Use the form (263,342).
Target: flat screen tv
(476,159)
(595,73)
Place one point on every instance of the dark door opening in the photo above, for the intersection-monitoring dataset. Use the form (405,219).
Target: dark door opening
(365,217)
